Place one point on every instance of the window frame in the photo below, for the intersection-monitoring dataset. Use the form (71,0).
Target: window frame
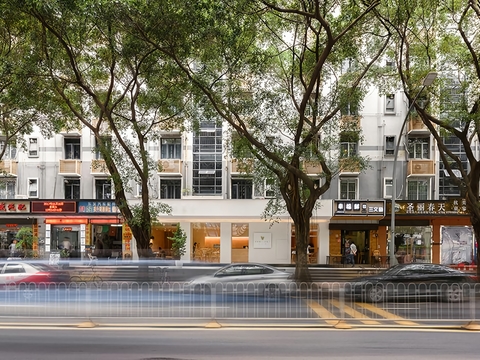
(75,182)
(388,151)
(176,147)
(390,102)
(74,153)
(413,143)
(386,186)
(417,198)
(348,180)
(177,193)
(33,148)
(104,182)
(37,191)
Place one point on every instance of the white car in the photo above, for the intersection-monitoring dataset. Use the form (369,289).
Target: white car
(243,278)
(30,273)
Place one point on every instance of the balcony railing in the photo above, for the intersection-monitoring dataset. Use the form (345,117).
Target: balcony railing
(417,167)
(350,122)
(349,166)
(244,166)
(8,167)
(70,167)
(312,167)
(98,167)
(416,126)
(170,166)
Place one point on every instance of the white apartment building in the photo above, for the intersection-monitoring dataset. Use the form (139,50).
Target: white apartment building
(57,186)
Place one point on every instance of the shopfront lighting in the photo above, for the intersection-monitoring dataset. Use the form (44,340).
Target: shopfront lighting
(427,81)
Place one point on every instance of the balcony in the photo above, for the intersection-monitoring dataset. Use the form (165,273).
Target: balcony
(242,166)
(349,166)
(70,167)
(416,126)
(71,131)
(98,167)
(420,167)
(170,166)
(349,122)
(312,167)
(8,168)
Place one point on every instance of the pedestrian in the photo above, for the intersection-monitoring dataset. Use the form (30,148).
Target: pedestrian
(347,252)
(353,252)
(13,248)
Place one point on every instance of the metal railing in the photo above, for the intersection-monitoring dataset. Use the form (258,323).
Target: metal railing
(322,303)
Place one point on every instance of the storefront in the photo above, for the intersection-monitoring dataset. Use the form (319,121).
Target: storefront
(355,221)
(431,231)
(15,215)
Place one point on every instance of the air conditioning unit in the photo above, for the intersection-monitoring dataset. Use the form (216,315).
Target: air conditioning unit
(21,197)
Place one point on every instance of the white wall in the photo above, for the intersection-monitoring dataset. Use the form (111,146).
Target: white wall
(280,251)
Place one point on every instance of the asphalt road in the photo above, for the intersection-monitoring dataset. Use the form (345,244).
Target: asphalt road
(81,344)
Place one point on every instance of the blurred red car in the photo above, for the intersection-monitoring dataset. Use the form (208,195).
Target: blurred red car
(19,272)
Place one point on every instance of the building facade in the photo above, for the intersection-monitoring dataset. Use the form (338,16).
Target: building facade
(220,208)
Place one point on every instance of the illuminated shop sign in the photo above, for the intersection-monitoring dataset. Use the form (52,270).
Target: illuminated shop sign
(359,207)
(53,207)
(14,206)
(97,207)
(431,207)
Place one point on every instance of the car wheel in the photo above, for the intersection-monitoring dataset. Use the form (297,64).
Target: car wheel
(375,293)
(453,293)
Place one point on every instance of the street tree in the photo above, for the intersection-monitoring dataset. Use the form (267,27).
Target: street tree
(286,76)
(444,37)
(103,79)
(20,88)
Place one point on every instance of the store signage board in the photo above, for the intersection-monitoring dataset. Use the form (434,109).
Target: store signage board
(53,207)
(106,207)
(359,208)
(262,240)
(430,207)
(14,206)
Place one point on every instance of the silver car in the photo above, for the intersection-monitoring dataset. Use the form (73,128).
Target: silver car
(243,278)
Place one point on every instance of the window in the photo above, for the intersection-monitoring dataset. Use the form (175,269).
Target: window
(32,147)
(72,189)
(387,188)
(207,160)
(242,188)
(33,187)
(265,189)
(10,151)
(171,148)
(417,190)
(389,145)
(390,103)
(139,190)
(107,143)
(348,189)
(14,269)
(7,189)
(170,188)
(72,148)
(419,148)
(348,149)
(103,189)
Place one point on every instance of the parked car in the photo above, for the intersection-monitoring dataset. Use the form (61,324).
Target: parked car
(243,278)
(28,273)
(415,280)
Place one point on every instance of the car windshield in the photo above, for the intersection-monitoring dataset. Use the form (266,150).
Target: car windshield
(393,270)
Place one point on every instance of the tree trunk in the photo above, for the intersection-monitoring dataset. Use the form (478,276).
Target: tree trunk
(302,237)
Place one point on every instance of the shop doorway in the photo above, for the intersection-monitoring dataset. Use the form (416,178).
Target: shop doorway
(66,238)
(361,239)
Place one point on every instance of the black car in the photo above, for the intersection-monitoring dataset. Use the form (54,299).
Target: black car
(415,280)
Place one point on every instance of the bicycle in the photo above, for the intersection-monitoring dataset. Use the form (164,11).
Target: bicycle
(87,276)
(161,273)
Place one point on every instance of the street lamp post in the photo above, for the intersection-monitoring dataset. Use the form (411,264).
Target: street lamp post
(427,81)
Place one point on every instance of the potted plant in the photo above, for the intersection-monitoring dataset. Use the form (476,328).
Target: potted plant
(25,241)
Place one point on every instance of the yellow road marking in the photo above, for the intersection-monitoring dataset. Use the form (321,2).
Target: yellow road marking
(387,315)
(354,313)
(322,312)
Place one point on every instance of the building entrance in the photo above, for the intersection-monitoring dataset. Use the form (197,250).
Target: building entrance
(361,240)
